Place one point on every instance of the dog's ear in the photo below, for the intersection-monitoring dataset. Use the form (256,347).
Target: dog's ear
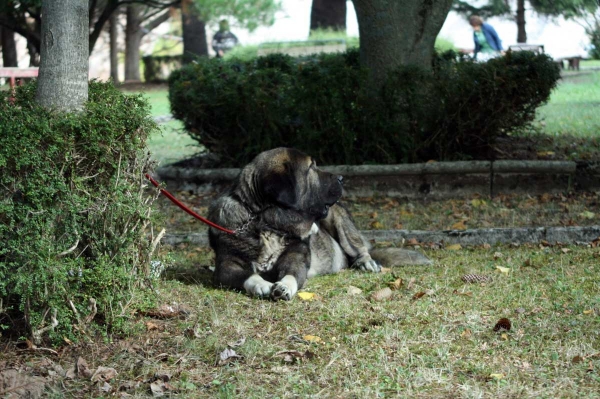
(280,188)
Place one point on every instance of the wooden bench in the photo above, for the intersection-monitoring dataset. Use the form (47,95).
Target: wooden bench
(14,73)
(572,62)
(536,48)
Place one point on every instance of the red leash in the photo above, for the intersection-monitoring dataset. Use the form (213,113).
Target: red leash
(188,210)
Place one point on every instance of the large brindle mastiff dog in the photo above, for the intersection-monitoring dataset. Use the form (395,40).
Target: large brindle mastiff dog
(289,227)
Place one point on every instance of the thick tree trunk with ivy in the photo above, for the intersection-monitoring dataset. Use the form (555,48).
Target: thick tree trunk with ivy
(394,33)
(63,76)
(194,34)
(521,32)
(133,40)
(328,14)
(9,47)
(114,48)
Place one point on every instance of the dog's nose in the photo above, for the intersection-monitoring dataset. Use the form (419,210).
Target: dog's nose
(340,179)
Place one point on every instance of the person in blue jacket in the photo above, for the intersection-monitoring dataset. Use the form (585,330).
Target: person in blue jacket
(487,42)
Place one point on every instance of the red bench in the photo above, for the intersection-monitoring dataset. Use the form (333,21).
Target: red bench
(14,73)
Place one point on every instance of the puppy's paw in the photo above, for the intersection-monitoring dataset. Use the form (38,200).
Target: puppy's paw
(365,263)
(257,286)
(285,289)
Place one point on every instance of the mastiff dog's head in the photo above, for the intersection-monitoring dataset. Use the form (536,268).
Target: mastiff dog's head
(289,179)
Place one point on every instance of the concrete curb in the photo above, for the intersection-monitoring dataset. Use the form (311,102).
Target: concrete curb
(533,235)
(435,180)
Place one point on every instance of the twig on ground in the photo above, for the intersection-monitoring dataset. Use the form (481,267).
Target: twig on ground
(37,335)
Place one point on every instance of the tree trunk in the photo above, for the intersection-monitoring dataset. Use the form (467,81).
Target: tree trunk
(521,33)
(63,76)
(328,14)
(194,34)
(9,48)
(133,40)
(394,33)
(114,48)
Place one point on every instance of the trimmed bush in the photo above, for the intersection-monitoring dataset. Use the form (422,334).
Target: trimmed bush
(318,104)
(73,211)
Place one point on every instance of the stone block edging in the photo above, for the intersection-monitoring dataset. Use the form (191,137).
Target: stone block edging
(435,180)
(523,235)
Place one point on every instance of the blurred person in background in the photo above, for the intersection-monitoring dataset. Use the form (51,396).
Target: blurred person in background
(223,40)
(487,42)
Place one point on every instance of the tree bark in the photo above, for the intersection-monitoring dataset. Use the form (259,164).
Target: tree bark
(9,48)
(63,76)
(133,40)
(114,48)
(394,33)
(194,34)
(328,14)
(521,32)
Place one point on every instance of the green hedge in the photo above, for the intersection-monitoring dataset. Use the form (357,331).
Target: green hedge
(72,210)
(318,104)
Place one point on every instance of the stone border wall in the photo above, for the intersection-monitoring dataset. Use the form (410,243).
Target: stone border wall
(435,180)
(535,235)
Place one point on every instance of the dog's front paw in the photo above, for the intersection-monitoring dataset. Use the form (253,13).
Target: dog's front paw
(285,289)
(257,286)
(365,263)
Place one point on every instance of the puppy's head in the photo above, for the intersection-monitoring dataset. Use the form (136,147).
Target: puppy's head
(290,179)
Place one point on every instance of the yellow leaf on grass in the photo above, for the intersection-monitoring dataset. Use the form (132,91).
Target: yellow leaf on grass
(476,203)
(497,376)
(504,336)
(587,215)
(306,296)
(589,311)
(454,247)
(312,338)
(504,270)
(376,225)
(545,153)
(459,225)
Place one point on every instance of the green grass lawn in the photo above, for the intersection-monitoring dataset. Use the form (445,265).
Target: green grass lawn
(172,143)
(432,338)
(574,107)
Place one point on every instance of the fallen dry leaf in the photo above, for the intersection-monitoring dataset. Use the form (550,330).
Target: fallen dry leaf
(497,376)
(159,388)
(466,333)
(291,356)
(498,255)
(454,247)
(476,203)
(459,225)
(385,270)
(104,374)
(306,296)
(382,294)
(82,368)
(396,284)
(312,338)
(412,242)
(14,384)
(227,356)
(419,295)
(237,343)
(376,225)
(577,359)
(504,270)
(352,290)
(502,325)
(151,326)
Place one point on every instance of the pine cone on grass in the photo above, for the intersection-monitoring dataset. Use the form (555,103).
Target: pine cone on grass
(476,278)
